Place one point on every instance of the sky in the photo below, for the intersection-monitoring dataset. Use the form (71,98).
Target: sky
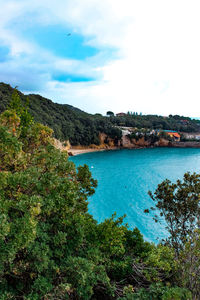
(118,55)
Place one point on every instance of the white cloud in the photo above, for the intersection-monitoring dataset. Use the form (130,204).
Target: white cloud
(156,67)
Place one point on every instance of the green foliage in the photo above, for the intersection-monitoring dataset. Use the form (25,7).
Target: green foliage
(22,112)
(84,176)
(10,146)
(178,123)
(84,275)
(67,122)
(157,292)
(135,243)
(110,113)
(42,199)
(112,235)
(179,204)
(177,293)
(51,248)
(188,264)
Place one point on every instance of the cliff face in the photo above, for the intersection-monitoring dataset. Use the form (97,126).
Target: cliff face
(162,143)
(126,143)
(141,143)
(106,142)
(133,143)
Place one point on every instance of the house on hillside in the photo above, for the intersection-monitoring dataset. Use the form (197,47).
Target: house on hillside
(184,122)
(192,136)
(121,114)
(173,134)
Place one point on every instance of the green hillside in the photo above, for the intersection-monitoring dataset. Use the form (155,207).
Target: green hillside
(172,122)
(68,122)
(81,128)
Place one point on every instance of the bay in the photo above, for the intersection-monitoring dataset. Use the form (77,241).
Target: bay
(125,177)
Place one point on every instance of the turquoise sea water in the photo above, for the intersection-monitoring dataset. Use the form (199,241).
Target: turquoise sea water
(125,177)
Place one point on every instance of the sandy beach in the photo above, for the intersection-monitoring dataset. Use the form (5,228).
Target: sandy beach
(74,151)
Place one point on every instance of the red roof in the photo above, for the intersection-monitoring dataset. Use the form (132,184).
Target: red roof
(121,113)
(176,134)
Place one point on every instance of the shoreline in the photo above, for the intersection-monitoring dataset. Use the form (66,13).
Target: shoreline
(75,152)
(79,151)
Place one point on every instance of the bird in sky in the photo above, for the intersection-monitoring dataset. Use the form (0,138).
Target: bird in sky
(68,34)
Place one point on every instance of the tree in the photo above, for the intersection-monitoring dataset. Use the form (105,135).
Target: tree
(42,211)
(110,113)
(189,265)
(179,204)
(22,111)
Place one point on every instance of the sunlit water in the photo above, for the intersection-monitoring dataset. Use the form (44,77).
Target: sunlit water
(125,177)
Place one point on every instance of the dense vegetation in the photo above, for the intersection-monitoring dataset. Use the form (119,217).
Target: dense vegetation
(70,123)
(67,122)
(173,122)
(51,248)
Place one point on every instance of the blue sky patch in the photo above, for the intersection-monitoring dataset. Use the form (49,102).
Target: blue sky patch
(4,53)
(71,78)
(60,41)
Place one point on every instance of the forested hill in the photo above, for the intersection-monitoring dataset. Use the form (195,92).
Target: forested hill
(68,122)
(81,128)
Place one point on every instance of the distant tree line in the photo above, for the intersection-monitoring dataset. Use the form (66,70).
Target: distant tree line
(173,122)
